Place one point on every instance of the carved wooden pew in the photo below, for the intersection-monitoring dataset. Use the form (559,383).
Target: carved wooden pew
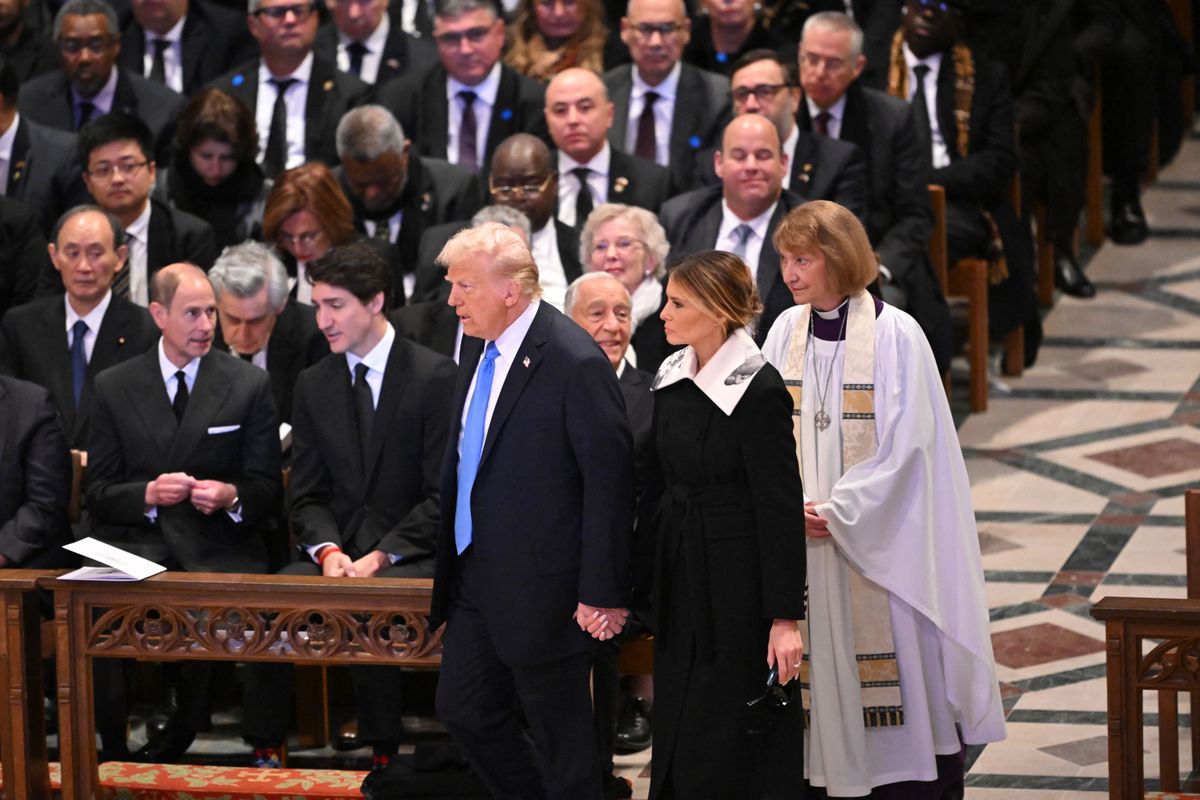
(207,616)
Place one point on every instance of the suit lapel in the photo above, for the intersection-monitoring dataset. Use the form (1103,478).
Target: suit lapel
(768,259)
(685,121)
(158,238)
(193,42)
(207,395)
(944,102)
(805,167)
(504,113)
(244,86)
(54,327)
(21,162)
(124,98)
(110,342)
(5,411)
(524,364)
(389,401)
(147,394)
(621,96)
(435,116)
(568,249)
(622,183)
(320,88)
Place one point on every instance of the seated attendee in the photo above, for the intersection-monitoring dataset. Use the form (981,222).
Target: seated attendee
(370,428)
(664,109)
(296,95)
(89,83)
(307,215)
(398,195)
(119,171)
(259,323)
(213,174)
(23,44)
(184,44)
(727,29)
(548,37)
(366,41)
(579,115)
(463,107)
(64,341)
(183,469)
(37,164)
(22,254)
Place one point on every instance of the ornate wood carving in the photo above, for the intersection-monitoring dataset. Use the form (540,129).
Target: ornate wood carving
(1174,664)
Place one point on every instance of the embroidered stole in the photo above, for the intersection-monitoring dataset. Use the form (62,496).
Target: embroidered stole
(878,671)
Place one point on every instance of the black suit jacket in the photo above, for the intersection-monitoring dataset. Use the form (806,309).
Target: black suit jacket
(387,500)
(214,39)
(633,181)
(403,53)
(23,255)
(702,107)
(419,102)
(44,172)
(553,498)
(230,433)
(33,347)
(33,54)
(35,476)
(47,100)
(330,95)
(430,323)
(692,222)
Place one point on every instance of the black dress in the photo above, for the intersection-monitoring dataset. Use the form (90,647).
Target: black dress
(729,559)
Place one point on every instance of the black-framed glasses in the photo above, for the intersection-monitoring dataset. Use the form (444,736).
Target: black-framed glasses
(454,39)
(516,190)
(97,45)
(123,168)
(301,11)
(764,92)
(666,30)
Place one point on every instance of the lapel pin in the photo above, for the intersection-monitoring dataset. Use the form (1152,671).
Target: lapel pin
(18,168)
(808,167)
(526,362)
(620,184)
(328,86)
(121,340)
(426,201)
(393,63)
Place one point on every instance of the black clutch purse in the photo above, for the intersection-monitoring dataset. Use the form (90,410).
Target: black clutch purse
(765,710)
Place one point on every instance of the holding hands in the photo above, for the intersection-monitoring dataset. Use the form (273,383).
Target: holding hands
(601,623)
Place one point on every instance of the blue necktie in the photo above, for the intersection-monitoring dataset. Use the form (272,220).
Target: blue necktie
(472,447)
(78,358)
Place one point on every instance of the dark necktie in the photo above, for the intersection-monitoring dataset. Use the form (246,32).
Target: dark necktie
(647,145)
(247,357)
(181,396)
(364,407)
(275,159)
(821,123)
(158,67)
(86,110)
(356,50)
(583,201)
(383,231)
(78,358)
(466,133)
(919,106)
(120,284)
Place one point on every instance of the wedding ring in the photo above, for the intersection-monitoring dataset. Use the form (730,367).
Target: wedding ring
(796,665)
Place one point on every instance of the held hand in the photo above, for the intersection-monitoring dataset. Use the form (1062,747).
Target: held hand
(210,496)
(600,623)
(338,565)
(371,563)
(815,526)
(785,647)
(169,488)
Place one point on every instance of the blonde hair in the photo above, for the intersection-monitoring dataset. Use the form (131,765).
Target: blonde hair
(722,284)
(850,263)
(502,246)
(650,233)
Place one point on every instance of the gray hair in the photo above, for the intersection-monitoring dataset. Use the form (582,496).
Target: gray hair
(505,215)
(837,21)
(456,8)
(367,132)
(118,232)
(86,8)
(650,233)
(587,277)
(243,269)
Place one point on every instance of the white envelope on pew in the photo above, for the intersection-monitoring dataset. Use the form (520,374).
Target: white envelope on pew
(121,564)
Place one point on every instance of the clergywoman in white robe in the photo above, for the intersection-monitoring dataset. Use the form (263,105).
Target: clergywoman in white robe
(899,672)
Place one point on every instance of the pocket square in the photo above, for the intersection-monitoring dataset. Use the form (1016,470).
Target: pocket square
(224,429)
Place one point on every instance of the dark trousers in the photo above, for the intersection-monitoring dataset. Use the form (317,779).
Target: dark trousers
(968,235)
(478,697)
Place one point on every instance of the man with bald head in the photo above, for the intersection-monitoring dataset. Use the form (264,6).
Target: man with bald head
(741,213)
(183,468)
(579,115)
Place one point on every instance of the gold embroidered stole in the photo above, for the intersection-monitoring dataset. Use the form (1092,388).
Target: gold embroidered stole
(878,672)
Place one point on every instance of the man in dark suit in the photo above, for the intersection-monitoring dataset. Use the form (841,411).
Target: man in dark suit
(64,341)
(90,84)
(260,324)
(369,438)
(22,254)
(40,168)
(741,214)
(899,217)
(592,172)
(184,44)
(364,40)
(396,195)
(461,109)
(299,97)
(119,170)
(688,107)
(523,585)
(183,469)
(30,52)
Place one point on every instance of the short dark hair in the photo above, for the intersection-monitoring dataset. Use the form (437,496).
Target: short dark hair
(10,84)
(788,66)
(118,232)
(114,127)
(358,268)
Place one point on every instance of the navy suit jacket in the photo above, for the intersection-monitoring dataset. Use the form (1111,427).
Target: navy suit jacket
(552,502)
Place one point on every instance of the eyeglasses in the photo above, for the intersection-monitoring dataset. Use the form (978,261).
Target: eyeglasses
(646,30)
(518,190)
(940,5)
(301,11)
(831,64)
(123,168)
(763,92)
(623,245)
(304,239)
(97,45)
(472,35)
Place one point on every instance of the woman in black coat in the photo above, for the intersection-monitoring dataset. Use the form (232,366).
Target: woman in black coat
(726,510)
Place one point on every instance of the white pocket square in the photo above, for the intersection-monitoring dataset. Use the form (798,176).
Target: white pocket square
(224,429)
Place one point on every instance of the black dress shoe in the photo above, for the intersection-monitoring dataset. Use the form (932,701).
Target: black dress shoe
(1128,223)
(1070,278)
(634,731)
(167,747)
(617,788)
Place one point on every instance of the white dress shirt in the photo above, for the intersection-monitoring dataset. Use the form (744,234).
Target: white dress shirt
(102,101)
(941,155)
(301,284)
(551,274)
(138,234)
(376,361)
(296,100)
(509,345)
(760,227)
(7,140)
(485,101)
(374,55)
(664,112)
(92,319)
(789,149)
(836,112)
(568,184)
(172,56)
